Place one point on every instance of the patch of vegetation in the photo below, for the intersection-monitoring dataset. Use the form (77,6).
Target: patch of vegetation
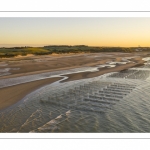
(61,49)
(15,51)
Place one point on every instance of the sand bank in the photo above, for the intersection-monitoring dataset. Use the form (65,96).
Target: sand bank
(13,94)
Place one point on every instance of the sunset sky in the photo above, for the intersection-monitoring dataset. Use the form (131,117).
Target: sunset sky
(124,32)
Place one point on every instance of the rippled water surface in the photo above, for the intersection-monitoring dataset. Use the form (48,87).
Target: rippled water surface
(114,102)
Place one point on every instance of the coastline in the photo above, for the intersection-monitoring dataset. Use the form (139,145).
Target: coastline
(13,94)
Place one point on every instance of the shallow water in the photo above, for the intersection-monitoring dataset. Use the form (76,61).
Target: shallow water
(114,102)
(24,79)
(5,71)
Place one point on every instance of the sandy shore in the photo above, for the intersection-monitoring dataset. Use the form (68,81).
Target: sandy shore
(39,64)
(13,94)
(101,71)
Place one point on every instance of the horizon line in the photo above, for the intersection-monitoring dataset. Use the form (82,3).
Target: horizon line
(42,45)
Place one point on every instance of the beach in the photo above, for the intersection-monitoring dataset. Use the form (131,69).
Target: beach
(32,65)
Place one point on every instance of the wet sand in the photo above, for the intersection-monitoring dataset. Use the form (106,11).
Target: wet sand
(11,95)
(39,64)
(101,71)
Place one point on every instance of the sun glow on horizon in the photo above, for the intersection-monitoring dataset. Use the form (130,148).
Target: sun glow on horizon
(122,32)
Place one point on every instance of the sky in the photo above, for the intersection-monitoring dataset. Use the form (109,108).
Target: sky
(102,31)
